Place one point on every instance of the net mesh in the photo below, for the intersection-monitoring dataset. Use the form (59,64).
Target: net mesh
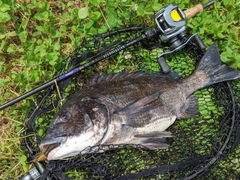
(199,145)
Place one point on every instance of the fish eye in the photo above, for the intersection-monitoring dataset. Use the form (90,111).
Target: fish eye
(65,116)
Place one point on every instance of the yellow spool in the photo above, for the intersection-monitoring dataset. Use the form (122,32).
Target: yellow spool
(175,15)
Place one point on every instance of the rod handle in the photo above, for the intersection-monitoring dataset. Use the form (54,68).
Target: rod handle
(193,11)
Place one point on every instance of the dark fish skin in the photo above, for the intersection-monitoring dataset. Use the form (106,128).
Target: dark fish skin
(133,108)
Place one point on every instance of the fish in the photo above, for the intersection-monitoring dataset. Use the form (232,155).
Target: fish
(130,108)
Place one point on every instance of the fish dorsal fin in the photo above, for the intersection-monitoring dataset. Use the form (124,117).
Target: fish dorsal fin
(97,79)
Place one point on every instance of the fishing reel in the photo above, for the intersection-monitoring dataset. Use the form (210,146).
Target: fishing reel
(171,25)
(171,21)
(171,29)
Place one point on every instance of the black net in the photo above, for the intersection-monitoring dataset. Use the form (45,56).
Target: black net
(199,144)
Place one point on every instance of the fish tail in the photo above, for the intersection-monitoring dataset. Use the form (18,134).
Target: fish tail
(211,67)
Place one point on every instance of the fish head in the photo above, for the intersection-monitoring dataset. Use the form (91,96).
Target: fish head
(75,128)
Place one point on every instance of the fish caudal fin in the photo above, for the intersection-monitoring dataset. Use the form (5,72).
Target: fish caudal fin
(212,67)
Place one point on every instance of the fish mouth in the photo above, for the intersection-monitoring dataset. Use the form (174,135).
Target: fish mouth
(49,144)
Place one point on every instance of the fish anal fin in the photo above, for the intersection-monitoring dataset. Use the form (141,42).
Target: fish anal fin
(139,104)
(190,109)
(154,144)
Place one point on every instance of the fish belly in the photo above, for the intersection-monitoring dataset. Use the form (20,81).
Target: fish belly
(128,134)
(157,125)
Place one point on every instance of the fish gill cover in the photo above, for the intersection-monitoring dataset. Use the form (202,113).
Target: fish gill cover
(199,143)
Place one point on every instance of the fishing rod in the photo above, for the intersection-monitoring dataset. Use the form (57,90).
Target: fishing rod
(171,26)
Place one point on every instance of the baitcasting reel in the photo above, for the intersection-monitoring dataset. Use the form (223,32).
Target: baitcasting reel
(171,21)
(171,28)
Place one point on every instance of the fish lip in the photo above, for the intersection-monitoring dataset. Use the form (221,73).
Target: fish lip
(45,143)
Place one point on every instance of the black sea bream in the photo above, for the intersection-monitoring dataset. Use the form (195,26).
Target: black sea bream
(130,108)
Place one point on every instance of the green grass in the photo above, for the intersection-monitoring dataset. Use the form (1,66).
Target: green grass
(37,35)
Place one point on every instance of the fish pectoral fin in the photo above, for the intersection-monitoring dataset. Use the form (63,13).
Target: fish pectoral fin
(155,140)
(139,104)
(190,108)
(140,118)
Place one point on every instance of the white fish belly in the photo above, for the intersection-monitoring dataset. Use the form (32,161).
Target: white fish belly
(157,125)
